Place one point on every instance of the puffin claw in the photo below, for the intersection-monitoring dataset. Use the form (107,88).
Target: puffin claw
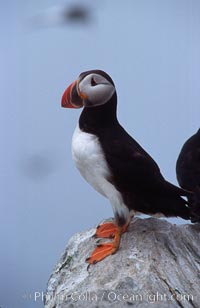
(106,230)
(103,250)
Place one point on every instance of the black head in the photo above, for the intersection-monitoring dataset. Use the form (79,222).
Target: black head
(92,88)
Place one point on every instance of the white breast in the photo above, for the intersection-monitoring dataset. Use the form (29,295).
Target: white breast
(90,161)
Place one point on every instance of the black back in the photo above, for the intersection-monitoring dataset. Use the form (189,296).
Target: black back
(188,170)
(188,163)
(133,172)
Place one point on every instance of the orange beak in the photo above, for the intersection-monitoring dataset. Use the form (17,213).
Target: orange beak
(71,98)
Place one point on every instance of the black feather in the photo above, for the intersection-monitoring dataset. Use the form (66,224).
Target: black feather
(188,172)
(134,173)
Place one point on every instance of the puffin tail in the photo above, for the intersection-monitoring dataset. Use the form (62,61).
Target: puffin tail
(194,205)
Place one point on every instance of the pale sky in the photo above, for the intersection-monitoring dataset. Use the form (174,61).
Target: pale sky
(151,50)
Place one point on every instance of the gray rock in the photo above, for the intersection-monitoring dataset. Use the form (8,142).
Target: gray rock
(157,262)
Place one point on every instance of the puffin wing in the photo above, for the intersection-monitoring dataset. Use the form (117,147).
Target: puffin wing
(188,168)
(134,169)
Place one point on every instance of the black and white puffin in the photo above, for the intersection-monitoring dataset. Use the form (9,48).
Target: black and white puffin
(114,163)
(188,172)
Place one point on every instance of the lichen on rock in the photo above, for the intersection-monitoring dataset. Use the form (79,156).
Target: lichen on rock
(157,262)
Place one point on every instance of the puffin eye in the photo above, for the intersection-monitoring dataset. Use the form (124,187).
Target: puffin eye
(93,82)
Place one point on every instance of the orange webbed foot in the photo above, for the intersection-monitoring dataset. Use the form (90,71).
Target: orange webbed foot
(101,252)
(106,249)
(106,230)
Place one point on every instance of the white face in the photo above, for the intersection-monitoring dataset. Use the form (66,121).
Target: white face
(97,89)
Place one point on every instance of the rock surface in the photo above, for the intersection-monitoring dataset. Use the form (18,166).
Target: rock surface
(157,262)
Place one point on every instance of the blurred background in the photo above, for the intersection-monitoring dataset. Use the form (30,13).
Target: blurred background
(151,50)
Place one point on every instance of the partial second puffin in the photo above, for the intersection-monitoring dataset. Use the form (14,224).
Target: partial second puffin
(114,163)
(188,172)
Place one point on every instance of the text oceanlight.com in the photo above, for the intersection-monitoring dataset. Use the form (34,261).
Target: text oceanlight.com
(111,296)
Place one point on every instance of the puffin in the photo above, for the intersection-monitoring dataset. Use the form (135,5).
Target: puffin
(115,164)
(188,172)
